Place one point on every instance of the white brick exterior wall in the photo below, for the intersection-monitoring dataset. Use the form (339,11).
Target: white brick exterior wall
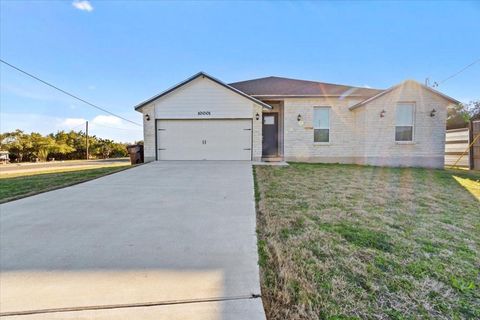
(428,147)
(149,152)
(362,136)
(298,139)
(256,133)
(356,136)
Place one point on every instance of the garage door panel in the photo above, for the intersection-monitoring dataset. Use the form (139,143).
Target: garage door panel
(229,140)
(204,139)
(174,134)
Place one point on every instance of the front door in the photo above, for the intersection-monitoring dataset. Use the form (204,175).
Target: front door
(270,135)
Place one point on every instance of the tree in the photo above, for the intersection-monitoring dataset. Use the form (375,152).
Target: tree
(119,150)
(473,108)
(106,148)
(61,146)
(17,143)
(42,146)
(459,115)
(75,140)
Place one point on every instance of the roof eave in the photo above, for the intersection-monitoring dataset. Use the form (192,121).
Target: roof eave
(195,76)
(454,101)
(358,105)
(165,92)
(262,96)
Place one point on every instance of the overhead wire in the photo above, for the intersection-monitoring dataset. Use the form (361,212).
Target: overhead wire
(436,84)
(67,93)
(80,125)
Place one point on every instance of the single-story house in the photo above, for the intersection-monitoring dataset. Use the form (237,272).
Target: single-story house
(281,119)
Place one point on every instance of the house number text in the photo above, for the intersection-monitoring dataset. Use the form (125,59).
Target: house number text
(203,113)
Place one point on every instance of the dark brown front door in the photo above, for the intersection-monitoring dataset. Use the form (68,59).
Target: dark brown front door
(270,135)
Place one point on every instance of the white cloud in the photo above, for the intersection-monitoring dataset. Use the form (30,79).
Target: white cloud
(83,5)
(111,127)
(72,122)
(107,120)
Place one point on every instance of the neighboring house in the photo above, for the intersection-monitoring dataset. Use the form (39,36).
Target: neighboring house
(4,158)
(273,119)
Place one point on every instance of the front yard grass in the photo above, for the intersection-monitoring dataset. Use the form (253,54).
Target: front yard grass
(348,242)
(19,185)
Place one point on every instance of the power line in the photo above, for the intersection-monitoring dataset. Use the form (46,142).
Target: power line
(436,84)
(67,93)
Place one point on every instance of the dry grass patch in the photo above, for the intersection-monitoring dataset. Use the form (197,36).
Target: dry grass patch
(347,242)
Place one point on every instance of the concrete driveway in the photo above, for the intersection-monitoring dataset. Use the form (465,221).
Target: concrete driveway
(166,240)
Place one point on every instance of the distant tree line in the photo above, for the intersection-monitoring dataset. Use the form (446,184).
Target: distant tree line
(460,115)
(59,146)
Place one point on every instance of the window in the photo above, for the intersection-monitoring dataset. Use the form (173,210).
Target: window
(321,124)
(268,119)
(404,122)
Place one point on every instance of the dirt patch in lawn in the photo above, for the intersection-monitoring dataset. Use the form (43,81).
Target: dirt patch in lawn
(346,241)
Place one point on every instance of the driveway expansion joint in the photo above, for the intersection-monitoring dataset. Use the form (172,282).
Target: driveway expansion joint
(129,305)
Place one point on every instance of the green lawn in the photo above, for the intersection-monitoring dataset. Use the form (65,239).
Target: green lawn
(348,242)
(18,185)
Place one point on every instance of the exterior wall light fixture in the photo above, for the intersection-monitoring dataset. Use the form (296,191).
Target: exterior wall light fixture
(382,113)
(432,113)
(257,116)
(147,117)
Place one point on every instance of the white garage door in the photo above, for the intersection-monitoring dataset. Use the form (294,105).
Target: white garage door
(204,139)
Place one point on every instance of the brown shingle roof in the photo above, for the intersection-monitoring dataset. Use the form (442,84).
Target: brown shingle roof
(277,86)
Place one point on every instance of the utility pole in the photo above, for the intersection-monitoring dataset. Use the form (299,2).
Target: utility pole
(86,137)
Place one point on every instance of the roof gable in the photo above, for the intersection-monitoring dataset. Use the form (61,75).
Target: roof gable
(391,89)
(196,76)
(286,87)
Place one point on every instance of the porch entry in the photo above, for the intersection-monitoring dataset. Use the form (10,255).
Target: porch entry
(269,135)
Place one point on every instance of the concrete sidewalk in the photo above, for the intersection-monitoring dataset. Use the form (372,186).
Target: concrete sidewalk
(159,232)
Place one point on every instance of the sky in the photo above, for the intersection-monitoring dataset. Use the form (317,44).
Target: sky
(118,53)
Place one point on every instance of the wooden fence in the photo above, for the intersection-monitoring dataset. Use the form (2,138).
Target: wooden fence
(475,148)
(458,145)
(456,142)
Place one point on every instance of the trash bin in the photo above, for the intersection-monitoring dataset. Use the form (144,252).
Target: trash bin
(136,153)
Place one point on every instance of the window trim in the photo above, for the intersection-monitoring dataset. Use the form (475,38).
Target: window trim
(329,108)
(414,107)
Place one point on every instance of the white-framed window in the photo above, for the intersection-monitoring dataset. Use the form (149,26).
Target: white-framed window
(404,121)
(321,124)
